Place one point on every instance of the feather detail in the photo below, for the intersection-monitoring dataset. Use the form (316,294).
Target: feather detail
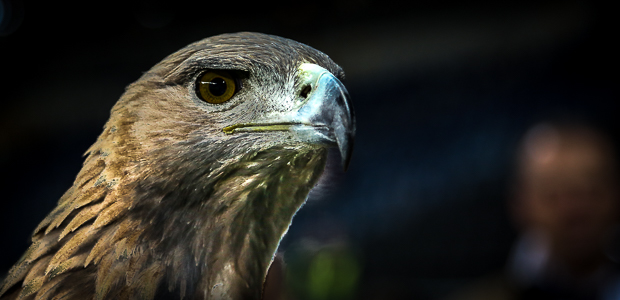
(69,264)
(35,251)
(91,169)
(47,290)
(128,245)
(60,214)
(61,295)
(108,274)
(82,236)
(40,247)
(85,215)
(31,287)
(89,196)
(147,281)
(110,213)
(115,264)
(52,216)
(110,237)
(16,274)
(38,268)
(177,278)
(136,264)
(101,248)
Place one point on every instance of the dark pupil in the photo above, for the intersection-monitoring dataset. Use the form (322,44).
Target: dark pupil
(217,86)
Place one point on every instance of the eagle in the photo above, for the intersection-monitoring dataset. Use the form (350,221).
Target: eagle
(195,178)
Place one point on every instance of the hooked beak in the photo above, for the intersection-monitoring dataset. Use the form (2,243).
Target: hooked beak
(325,116)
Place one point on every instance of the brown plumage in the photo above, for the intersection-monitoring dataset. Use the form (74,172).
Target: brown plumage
(184,199)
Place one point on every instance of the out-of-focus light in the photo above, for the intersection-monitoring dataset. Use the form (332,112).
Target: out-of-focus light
(542,143)
(323,272)
(333,274)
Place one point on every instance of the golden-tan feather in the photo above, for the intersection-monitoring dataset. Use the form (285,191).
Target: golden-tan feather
(61,241)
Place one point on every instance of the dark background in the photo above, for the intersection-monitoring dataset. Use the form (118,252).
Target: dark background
(442,92)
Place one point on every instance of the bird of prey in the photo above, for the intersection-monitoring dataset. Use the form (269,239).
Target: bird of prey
(196,177)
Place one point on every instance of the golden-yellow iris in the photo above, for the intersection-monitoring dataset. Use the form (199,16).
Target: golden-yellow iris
(216,86)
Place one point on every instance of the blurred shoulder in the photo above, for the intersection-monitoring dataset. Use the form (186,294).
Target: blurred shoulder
(492,287)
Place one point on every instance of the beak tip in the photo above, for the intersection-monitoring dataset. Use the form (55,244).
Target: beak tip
(346,150)
(345,164)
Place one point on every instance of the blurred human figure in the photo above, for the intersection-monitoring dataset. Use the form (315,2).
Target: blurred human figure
(565,206)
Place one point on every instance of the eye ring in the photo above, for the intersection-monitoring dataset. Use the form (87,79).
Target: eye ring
(216,86)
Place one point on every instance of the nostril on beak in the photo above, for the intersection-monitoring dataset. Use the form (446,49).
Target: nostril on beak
(305,91)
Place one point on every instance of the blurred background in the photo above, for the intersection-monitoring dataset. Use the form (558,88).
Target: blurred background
(443,92)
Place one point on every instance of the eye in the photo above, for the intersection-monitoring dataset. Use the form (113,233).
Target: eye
(216,86)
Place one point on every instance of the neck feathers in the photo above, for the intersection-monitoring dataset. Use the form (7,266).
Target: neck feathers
(224,235)
(208,231)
